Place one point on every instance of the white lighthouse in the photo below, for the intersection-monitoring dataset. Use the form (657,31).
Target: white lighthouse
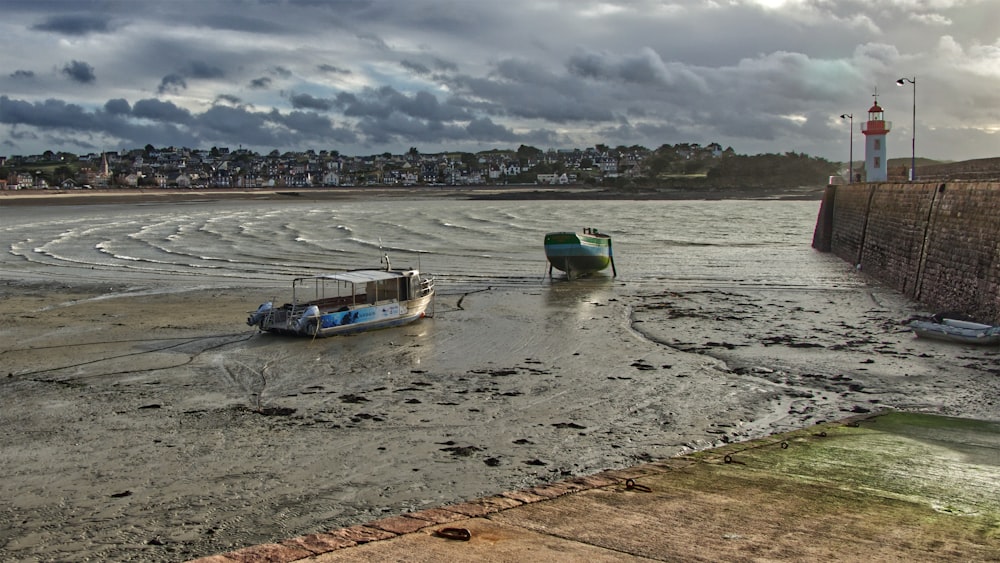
(875,130)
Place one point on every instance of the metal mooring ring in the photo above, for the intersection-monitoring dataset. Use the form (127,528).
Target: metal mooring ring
(631,485)
(460,534)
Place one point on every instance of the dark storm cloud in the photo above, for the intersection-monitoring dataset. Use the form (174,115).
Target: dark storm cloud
(443,65)
(484,129)
(261,83)
(387,116)
(383,102)
(333,69)
(392,128)
(201,69)
(228,99)
(18,135)
(231,122)
(79,71)
(643,68)
(160,134)
(373,41)
(176,82)
(521,89)
(169,124)
(71,125)
(267,129)
(305,101)
(172,83)
(424,105)
(755,74)
(591,65)
(118,107)
(83,24)
(398,128)
(158,110)
(312,125)
(50,113)
(238,20)
(415,67)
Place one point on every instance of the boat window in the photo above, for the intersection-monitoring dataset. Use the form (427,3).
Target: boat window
(382,290)
(404,288)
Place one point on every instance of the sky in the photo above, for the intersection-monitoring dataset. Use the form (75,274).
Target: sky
(367,77)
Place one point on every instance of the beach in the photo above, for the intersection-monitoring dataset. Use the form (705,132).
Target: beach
(157,426)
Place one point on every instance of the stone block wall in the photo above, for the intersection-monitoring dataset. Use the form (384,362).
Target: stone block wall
(937,243)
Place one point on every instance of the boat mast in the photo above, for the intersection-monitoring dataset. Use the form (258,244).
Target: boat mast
(384,258)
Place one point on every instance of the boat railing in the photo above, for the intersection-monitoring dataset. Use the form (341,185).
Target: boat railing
(426,286)
(272,316)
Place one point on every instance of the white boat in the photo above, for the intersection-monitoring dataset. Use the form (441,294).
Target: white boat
(954,330)
(348,302)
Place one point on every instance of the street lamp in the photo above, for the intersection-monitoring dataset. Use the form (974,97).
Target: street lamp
(913,143)
(850,179)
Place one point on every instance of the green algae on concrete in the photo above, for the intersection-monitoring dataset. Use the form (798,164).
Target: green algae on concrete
(889,487)
(935,471)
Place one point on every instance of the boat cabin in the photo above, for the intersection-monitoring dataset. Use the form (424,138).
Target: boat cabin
(347,290)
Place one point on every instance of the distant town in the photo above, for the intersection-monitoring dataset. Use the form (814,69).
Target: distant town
(686,166)
(222,167)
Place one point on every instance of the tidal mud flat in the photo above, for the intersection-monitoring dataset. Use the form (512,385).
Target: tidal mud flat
(158,427)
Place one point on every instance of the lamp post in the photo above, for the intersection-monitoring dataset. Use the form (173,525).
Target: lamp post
(850,178)
(913,143)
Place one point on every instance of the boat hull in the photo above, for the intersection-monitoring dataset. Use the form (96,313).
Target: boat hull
(362,319)
(578,254)
(961,332)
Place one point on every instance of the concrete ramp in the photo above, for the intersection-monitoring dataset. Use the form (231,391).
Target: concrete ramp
(890,487)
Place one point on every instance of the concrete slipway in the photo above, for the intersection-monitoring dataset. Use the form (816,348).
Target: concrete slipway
(889,487)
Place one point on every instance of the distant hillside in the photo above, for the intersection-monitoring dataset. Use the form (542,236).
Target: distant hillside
(669,168)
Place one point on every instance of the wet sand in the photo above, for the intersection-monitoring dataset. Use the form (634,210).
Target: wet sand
(160,427)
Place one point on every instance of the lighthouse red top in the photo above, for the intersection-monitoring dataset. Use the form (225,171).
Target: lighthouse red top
(876,124)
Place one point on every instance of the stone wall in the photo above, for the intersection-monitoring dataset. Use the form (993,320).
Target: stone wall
(937,243)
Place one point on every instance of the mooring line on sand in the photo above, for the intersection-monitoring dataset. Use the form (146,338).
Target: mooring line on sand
(243,335)
(57,346)
(458,305)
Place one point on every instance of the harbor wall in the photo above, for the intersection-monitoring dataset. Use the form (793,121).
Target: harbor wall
(937,243)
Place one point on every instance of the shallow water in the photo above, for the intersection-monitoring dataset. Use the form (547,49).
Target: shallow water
(467,245)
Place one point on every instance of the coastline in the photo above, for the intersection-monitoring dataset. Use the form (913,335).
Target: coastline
(519,192)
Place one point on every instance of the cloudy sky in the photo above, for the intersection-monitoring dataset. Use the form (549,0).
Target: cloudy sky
(373,76)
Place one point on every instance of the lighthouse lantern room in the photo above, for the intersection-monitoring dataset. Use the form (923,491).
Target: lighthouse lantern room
(875,130)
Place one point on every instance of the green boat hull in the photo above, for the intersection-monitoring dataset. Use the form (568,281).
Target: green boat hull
(579,254)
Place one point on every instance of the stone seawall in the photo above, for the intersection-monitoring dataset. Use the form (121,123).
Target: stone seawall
(937,243)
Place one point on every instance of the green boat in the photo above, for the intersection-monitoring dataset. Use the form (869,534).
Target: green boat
(579,254)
